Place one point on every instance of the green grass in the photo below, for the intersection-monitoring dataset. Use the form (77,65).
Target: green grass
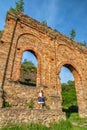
(30,126)
(62,125)
(74,122)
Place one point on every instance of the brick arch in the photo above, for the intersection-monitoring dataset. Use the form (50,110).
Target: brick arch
(30,34)
(18,53)
(34,50)
(77,77)
(69,46)
(73,68)
(38,56)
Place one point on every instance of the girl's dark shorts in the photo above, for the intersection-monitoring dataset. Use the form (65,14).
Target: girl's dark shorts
(41,100)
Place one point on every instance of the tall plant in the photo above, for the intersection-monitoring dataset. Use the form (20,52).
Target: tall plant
(72,34)
(20,6)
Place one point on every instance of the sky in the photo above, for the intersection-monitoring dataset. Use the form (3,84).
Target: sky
(62,15)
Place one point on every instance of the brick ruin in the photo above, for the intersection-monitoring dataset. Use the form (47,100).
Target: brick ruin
(52,50)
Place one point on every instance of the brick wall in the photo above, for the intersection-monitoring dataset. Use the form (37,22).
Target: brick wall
(15,116)
(52,49)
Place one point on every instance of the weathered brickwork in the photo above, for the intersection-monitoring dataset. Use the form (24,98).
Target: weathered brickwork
(52,50)
(29,115)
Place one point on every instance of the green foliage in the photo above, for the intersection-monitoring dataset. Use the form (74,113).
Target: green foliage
(66,125)
(6,104)
(28,66)
(84,43)
(20,6)
(44,22)
(28,73)
(14,11)
(12,127)
(31,104)
(80,123)
(62,125)
(75,118)
(31,126)
(72,34)
(69,94)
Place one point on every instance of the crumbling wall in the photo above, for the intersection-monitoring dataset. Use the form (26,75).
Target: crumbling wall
(52,49)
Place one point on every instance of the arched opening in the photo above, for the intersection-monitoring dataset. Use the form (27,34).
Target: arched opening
(68,77)
(28,71)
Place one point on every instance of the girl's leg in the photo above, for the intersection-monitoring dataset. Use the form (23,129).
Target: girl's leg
(41,105)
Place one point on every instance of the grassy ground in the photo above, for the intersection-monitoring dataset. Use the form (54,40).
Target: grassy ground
(79,122)
(72,123)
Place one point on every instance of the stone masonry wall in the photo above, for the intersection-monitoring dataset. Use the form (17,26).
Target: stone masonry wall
(15,116)
(53,50)
(19,96)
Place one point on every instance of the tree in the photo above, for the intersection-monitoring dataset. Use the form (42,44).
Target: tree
(84,43)
(72,34)
(20,6)
(28,73)
(44,22)
(69,94)
(28,66)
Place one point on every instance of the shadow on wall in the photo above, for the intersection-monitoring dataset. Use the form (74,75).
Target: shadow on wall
(70,110)
(28,82)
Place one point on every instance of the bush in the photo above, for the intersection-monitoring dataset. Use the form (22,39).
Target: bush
(31,104)
(6,104)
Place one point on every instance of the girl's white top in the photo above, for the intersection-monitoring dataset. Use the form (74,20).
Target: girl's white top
(40,94)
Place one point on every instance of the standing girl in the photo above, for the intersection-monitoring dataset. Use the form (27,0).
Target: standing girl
(41,99)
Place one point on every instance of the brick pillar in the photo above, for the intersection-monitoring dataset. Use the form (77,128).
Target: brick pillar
(81,95)
(83,106)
